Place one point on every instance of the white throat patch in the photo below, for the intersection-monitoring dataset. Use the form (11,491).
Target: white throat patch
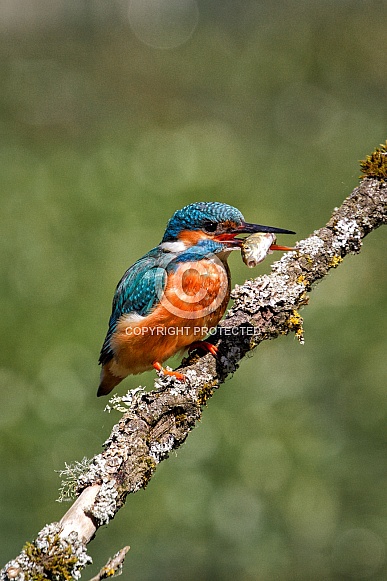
(177,246)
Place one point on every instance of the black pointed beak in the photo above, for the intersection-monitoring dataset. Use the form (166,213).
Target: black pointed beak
(232,243)
(246,228)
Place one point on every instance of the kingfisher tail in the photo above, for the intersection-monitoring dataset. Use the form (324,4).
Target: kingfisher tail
(108,381)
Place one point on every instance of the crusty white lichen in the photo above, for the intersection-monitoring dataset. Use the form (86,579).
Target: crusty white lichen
(189,388)
(124,402)
(100,470)
(265,291)
(105,505)
(195,380)
(311,246)
(347,236)
(96,471)
(160,450)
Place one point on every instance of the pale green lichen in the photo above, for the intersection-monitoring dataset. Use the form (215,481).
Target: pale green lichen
(70,477)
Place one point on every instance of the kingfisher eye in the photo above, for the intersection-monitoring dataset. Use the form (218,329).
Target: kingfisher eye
(211,226)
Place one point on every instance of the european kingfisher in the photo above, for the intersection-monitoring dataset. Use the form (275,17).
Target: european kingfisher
(170,298)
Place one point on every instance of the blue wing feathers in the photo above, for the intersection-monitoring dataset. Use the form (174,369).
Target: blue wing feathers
(137,292)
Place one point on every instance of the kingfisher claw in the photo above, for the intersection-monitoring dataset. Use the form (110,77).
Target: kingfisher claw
(162,369)
(206,345)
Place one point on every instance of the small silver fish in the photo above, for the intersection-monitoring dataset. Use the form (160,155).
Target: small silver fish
(256,247)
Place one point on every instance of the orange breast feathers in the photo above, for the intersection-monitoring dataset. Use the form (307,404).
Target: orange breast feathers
(197,290)
(194,300)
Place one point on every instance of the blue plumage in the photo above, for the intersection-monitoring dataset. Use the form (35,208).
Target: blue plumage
(203,249)
(197,216)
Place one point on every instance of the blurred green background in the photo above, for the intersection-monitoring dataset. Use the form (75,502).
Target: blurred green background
(112,117)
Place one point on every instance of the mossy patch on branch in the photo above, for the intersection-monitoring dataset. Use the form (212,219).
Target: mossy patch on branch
(206,392)
(375,165)
(53,562)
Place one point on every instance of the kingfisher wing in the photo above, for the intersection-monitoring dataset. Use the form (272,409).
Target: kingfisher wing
(138,292)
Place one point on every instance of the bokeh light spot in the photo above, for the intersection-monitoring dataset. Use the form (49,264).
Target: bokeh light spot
(312,510)
(306,114)
(163,23)
(237,514)
(358,553)
(265,464)
(192,156)
(13,406)
(65,376)
(188,501)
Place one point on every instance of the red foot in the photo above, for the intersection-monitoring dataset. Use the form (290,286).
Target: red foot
(160,368)
(204,345)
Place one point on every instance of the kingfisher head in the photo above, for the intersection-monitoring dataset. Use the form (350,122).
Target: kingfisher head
(211,220)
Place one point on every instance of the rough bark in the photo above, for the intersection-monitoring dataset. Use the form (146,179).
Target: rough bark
(159,421)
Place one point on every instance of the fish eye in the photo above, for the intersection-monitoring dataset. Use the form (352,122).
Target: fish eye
(211,226)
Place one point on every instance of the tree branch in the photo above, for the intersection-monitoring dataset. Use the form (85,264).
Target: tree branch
(159,421)
(113,567)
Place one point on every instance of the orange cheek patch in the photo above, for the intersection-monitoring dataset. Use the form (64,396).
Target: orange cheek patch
(192,237)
